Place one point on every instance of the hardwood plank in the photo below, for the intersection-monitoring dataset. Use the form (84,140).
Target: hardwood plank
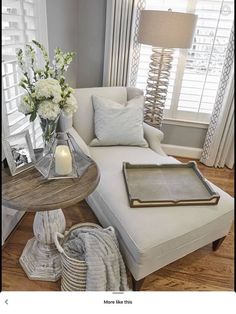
(202,270)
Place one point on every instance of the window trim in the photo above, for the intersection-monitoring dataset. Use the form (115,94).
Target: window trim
(186,123)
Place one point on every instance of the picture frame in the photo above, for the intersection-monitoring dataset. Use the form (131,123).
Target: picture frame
(19,152)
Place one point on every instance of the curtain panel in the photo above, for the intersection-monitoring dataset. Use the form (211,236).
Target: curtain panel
(218,149)
(121,55)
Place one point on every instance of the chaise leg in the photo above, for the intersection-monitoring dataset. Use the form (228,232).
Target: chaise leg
(217,243)
(137,284)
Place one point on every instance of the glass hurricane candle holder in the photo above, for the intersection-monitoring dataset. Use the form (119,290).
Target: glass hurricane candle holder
(64,159)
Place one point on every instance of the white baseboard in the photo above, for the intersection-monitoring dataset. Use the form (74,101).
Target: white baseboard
(182,151)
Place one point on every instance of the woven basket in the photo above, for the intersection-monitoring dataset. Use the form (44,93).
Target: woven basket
(74,271)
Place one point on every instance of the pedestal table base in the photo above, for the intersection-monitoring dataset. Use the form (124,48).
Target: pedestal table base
(40,258)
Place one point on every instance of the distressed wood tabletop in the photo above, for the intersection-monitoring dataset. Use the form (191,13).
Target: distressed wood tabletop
(30,191)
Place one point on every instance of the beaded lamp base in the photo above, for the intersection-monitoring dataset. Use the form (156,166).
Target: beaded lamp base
(157,85)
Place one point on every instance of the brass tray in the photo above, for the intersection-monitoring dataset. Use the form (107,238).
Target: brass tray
(167,185)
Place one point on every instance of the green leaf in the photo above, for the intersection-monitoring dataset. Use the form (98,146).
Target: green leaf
(33,116)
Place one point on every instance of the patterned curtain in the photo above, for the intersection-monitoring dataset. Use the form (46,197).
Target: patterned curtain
(135,45)
(219,142)
(121,47)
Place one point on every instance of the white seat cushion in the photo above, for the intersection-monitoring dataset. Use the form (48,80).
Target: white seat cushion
(152,237)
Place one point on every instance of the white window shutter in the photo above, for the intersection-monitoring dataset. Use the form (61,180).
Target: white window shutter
(22,21)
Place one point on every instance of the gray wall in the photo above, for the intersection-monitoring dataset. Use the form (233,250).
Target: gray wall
(79,25)
(91,40)
(62,16)
(183,135)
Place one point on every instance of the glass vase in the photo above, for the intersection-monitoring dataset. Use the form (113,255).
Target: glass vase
(49,128)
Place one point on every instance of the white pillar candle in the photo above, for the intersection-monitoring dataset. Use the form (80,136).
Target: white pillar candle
(63,160)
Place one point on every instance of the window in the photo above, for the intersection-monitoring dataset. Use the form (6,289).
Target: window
(195,73)
(22,21)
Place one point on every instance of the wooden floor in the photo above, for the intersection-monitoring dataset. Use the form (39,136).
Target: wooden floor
(203,270)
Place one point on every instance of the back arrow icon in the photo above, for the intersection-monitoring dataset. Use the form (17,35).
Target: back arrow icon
(6,301)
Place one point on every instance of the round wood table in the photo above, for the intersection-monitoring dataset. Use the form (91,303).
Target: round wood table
(30,191)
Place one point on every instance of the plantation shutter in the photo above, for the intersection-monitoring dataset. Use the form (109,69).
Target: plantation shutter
(20,24)
(195,73)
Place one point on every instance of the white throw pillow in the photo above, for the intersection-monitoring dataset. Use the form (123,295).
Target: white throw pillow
(118,124)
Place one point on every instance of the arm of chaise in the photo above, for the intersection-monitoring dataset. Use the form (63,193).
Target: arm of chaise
(154,137)
(79,141)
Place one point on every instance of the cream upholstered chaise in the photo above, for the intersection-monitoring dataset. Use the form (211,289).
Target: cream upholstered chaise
(150,237)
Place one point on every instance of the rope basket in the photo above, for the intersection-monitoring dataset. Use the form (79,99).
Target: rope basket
(74,271)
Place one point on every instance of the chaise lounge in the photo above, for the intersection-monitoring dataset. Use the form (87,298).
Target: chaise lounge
(149,237)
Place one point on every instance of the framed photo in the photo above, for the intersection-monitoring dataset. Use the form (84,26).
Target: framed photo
(19,152)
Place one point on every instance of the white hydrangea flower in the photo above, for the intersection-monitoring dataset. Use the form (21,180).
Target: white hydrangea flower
(71,106)
(26,105)
(48,110)
(48,88)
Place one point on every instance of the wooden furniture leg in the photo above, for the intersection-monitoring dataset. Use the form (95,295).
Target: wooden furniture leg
(217,243)
(137,284)
(40,258)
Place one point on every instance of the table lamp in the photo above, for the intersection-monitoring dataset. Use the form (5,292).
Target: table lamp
(163,30)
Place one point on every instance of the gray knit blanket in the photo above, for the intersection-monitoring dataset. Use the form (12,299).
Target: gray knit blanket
(100,250)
